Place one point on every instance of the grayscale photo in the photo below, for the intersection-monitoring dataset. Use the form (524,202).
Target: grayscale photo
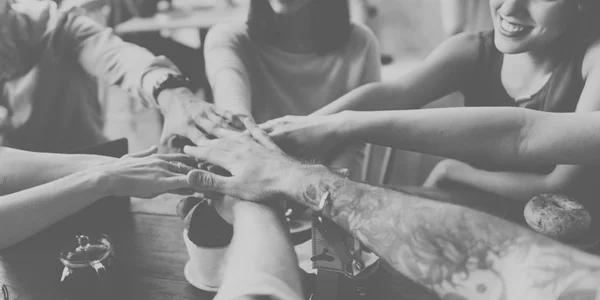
(300,149)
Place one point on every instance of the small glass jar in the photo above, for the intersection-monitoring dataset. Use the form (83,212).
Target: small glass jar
(89,268)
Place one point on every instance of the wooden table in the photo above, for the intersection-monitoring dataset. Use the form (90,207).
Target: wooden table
(152,255)
(149,249)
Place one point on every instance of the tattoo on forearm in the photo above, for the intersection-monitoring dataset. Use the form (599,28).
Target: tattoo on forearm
(455,251)
(310,195)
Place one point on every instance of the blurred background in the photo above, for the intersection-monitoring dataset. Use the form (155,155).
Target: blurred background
(407,30)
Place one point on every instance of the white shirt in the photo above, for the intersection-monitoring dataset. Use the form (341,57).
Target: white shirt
(51,63)
(285,83)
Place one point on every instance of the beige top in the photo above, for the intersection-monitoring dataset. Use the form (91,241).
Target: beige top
(283,83)
(51,62)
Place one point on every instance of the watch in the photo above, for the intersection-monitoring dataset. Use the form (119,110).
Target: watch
(170,81)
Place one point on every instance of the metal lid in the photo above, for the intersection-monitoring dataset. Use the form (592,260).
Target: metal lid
(85,250)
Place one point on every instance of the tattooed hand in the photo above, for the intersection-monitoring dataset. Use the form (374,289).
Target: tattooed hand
(260,170)
(457,252)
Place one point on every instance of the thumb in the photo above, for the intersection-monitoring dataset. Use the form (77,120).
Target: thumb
(152,150)
(206,181)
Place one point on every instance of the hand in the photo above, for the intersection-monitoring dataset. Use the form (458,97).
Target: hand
(145,174)
(259,168)
(189,119)
(308,137)
(442,172)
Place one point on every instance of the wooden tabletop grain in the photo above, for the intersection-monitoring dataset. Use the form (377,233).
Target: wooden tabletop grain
(151,253)
(149,249)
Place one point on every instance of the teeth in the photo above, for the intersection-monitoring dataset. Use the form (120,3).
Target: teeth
(512,28)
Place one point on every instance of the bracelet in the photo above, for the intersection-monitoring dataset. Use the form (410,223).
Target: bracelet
(323,201)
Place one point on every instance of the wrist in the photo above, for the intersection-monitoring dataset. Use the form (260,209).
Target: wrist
(339,126)
(98,180)
(99,160)
(345,125)
(455,169)
(174,98)
(297,180)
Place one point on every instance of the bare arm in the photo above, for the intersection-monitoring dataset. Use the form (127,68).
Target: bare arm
(29,211)
(440,74)
(26,213)
(519,186)
(457,252)
(104,55)
(522,186)
(226,71)
(261,261)
(507,135)
(20,170)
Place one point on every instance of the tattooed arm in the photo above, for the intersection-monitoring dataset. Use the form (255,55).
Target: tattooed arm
(457,252)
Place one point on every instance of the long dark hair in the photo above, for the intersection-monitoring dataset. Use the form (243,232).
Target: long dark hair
(589,23)
(331,23)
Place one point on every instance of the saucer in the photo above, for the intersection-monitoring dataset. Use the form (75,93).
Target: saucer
(302,223)
(188,272)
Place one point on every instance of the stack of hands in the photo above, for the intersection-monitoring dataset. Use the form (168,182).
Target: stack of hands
(231,155)
(237,159)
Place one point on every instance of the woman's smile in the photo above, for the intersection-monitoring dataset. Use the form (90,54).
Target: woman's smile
(513,29)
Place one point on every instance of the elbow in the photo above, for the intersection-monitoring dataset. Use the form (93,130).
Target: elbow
(524,143)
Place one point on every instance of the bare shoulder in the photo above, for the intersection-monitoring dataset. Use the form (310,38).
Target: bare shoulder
(461,46)
(459,52)
(227,34)
(591,59)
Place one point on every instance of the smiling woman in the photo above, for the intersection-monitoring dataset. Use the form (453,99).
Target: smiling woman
(542,55)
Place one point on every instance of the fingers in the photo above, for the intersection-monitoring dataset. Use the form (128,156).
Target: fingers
(175,143)
(211,152)
(259,135)
(179,157)
(218,170)
(194,135)
(152,150)
(183,192)
(203,180)
(232,119)
(344,172)
(176,182)
(216,128)
(274,124)
(179,167)
(267,126)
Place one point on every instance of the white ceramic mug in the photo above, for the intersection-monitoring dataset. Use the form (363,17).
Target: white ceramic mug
(205,268)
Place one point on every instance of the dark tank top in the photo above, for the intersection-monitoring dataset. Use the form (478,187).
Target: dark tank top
(560,94)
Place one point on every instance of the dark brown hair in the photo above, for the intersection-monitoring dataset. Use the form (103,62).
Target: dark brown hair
(331,23)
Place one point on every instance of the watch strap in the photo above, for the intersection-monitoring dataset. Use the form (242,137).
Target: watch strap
(169,81)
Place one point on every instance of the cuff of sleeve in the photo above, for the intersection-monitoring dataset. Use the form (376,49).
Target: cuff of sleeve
(157,70)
